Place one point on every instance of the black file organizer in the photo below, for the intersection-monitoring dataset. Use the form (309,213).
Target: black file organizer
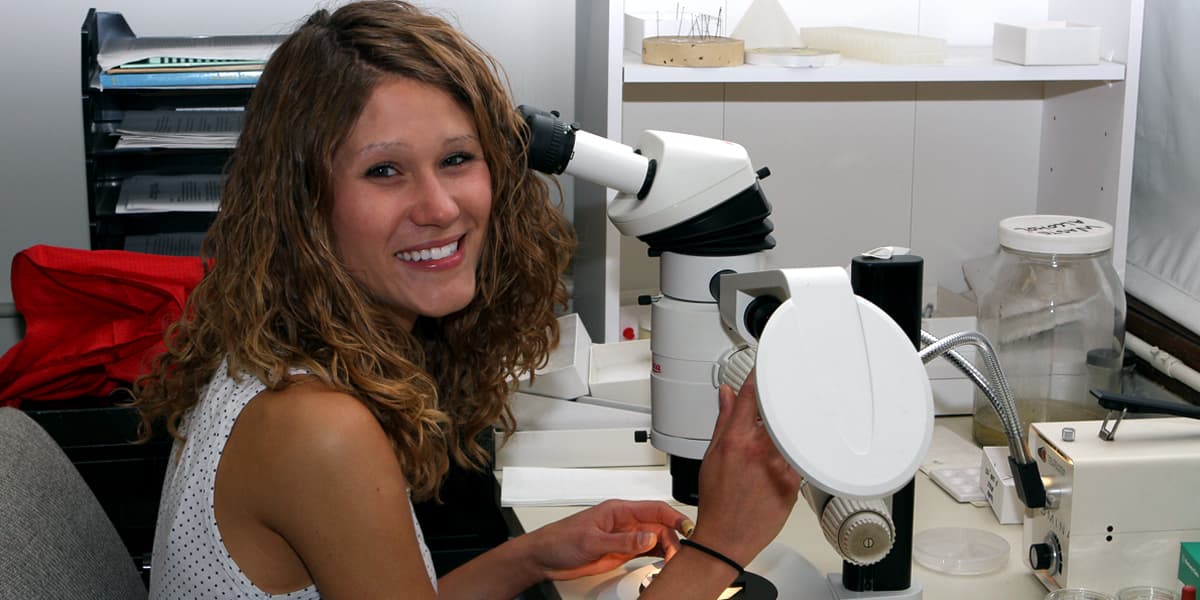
(107,166)
(97,434)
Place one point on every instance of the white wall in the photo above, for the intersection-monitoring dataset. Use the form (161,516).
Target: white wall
(42,193)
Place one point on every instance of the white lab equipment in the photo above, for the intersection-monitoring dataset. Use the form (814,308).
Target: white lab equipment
(697,203)
(1119,501)
(841,387)
(841,391)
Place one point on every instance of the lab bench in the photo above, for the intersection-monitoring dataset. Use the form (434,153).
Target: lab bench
(934,508)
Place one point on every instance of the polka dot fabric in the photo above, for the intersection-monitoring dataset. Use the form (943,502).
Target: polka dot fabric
(190,559)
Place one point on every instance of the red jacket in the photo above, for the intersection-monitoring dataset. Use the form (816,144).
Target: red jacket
(93,319)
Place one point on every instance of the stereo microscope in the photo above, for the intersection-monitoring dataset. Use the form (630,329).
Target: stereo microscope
(842,389)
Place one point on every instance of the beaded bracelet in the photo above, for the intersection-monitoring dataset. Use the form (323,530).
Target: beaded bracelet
(714,554)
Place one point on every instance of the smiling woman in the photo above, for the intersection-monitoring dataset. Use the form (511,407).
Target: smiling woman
(412,197)
(383,268)
(380,241)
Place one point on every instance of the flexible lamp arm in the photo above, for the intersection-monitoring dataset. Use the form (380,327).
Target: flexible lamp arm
(994,386)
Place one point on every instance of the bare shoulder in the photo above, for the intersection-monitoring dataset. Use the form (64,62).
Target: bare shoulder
(305,448)
(310,424)
(310,472)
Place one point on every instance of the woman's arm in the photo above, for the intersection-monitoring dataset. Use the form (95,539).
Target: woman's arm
(502,572)
(310,479)
(747,491)
(315,470)
(592,541)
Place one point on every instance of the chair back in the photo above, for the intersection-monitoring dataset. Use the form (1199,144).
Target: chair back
(55,539)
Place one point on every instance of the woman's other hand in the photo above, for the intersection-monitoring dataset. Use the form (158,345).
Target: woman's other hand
(604,537)
(747,488)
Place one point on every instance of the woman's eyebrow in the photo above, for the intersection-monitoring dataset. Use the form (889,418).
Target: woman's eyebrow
(466,137)
(383,145)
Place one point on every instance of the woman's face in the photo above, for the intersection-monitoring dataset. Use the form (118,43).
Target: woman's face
(412,196)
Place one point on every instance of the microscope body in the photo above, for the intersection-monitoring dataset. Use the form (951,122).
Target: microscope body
(697,204)
(703,214)
(687,355)
(687,347)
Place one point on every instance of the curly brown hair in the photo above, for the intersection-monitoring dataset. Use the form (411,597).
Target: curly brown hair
(276,295)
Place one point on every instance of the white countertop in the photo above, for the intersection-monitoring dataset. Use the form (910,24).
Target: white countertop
(933,508)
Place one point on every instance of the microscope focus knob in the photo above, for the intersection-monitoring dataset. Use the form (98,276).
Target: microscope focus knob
(736,367)
(860,530)
(1042,556)
(1046,556)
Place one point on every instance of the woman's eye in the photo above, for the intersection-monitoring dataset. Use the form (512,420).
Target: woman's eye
(457,159)
(384,170)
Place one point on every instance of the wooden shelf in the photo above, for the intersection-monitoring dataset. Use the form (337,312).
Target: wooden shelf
(962,64)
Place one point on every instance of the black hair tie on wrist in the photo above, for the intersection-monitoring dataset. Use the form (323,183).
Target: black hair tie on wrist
(714,554)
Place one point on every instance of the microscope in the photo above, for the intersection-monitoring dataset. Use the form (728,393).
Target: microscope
(698,205)
(842,389)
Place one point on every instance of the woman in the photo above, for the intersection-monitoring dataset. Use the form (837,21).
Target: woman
(383,266)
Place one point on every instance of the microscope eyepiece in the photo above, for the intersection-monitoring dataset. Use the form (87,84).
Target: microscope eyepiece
(551,141)
(556,147)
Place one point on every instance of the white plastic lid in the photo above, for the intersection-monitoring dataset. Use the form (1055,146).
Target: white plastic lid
(1056,234)
(960,550)
(792,57)
(841,390)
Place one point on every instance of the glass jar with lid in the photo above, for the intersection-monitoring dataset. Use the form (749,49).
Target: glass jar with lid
(1053,308)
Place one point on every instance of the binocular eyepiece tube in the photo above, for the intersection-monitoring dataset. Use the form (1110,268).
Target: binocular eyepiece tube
(557,147)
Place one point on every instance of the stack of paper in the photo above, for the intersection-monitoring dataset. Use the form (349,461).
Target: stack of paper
(170,193)
(168,62)
(180,129)
(170,244)
(538,486)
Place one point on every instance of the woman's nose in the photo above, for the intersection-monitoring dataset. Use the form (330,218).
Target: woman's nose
(436,203)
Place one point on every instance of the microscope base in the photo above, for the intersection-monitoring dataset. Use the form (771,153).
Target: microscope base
(841,593)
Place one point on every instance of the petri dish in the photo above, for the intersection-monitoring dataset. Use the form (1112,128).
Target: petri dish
(960,550)
(1146,592)
(1078,594)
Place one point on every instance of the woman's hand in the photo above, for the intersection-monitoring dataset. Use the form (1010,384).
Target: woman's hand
(747,488)
(604,537)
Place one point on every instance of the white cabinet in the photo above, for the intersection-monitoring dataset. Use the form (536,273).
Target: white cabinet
(864,155)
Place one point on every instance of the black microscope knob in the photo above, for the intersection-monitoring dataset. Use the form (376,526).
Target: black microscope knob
(1041,556)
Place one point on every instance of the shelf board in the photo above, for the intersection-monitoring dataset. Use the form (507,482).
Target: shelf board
(962,64)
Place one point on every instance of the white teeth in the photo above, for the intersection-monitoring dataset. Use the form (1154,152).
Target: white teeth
(429,253)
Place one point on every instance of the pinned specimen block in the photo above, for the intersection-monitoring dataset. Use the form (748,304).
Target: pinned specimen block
(693,51)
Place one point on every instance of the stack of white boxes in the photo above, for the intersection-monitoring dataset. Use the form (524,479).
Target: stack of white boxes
(588,407)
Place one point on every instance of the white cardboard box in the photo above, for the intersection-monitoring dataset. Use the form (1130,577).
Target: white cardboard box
(621,372)
(953,391)
(610,447)
(1046,43)
(996,482)
(566,374)
(552,432)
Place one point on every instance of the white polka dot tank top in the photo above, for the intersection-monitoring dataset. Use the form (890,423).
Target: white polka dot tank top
(189,559)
